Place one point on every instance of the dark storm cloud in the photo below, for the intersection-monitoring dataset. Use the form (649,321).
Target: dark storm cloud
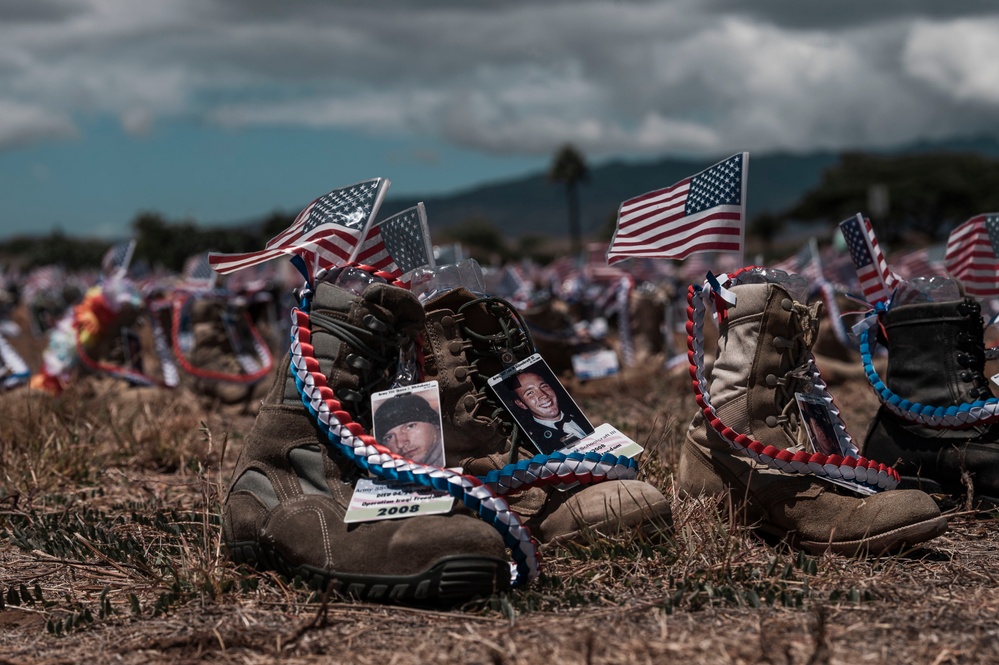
(850,13)
(613,77)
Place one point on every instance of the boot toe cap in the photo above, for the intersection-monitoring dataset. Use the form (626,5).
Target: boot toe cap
(608,508)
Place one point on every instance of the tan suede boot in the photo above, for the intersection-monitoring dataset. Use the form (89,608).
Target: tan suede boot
(290,490)
(763,359)
(468,339)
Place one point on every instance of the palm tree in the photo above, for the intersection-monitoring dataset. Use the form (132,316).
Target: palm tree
(570,167)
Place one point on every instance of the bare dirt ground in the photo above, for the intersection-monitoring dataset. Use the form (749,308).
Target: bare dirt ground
(109,552)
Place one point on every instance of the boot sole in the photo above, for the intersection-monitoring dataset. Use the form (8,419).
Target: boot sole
(450,581)
(884,543)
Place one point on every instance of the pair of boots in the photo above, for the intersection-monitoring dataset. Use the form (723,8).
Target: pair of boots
(938,424)
(747,443)
(296,472)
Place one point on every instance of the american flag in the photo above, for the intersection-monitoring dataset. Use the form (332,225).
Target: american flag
(877,281)
(973,255)
(399,244)
(117,259)
(198,273)
(324,234)
(702,213)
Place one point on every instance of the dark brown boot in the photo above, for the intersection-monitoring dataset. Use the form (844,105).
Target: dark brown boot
(933,387)
(290,490)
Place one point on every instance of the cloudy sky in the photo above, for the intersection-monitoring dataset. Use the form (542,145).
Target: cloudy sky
(225,110)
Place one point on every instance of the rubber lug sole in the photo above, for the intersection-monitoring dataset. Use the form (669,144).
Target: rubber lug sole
(450,581)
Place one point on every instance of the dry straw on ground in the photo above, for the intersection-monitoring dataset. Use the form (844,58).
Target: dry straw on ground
(109,552)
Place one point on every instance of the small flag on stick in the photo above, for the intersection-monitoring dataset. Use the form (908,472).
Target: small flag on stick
(117,259)
(703,213)
(397,245)
(877,281)
(323,235)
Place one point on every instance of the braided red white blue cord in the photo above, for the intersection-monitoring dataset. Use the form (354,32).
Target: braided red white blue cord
(349,438)
(853,468)
(955,416)
(482,493)
(558,469)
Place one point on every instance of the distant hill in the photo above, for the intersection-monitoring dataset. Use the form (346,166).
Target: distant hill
(534,205)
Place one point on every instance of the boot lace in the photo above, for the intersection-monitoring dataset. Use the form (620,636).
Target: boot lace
(374,351)
(513,342)
(799,377)
(971,351)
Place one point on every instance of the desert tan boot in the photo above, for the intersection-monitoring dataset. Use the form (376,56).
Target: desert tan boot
(763,360)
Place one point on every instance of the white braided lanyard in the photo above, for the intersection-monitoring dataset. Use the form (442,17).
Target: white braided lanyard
(858,469)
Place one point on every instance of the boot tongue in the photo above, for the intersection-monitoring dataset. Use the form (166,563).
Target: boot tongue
(767,337)
(398,305)
(451,299)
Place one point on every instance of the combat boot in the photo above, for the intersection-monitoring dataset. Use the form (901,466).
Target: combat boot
(285,507)
(933,387)
(221,352)
(747,444)
(468,339)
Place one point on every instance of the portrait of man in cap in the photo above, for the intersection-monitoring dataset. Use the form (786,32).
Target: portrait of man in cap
(410,427)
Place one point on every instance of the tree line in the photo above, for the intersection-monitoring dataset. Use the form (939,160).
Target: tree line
(924,195)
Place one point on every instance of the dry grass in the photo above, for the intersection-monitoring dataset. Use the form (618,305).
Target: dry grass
(109,551)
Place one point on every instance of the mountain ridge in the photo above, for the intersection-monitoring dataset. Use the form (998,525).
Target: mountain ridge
(532,204)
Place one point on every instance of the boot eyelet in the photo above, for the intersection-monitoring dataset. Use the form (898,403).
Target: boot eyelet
(808,387)
(460,373)
(786,304)
(771,421)
(357,362)
(966,376)
(771,381)
(349,396)
(372,322)
(447,321)
(779,342)
(468,401)
(454,347)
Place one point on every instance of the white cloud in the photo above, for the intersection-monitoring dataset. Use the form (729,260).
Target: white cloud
(22,124)
(957,59)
